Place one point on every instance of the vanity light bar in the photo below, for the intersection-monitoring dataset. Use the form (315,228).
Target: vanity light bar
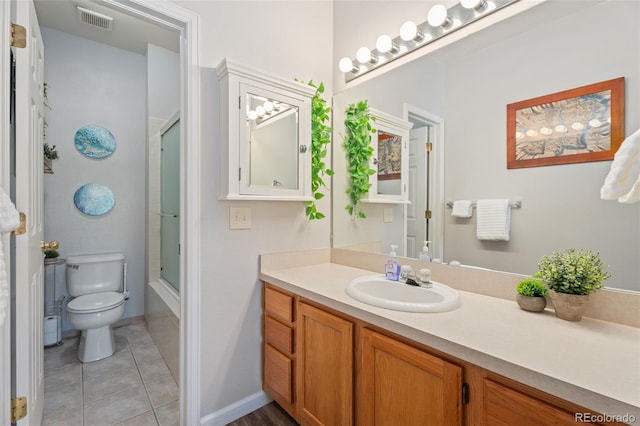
(440,22)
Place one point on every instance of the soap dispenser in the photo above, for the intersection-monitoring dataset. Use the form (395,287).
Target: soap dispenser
(424,254)
(392,267)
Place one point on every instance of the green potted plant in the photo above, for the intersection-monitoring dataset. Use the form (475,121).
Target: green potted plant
(320,139)
(571,276)
(531,294)
(50,256)
(357,144)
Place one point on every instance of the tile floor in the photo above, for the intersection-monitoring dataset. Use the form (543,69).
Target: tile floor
(132,387)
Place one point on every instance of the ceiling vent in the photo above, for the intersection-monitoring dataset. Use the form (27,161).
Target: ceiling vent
(95,19)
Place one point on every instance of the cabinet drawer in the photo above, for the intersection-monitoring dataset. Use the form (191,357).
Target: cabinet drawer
(278,305)
(278,335)
(278,373)
(503,405)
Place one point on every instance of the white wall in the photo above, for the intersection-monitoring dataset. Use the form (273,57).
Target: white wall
(291,39)
(561,204)
(91,83)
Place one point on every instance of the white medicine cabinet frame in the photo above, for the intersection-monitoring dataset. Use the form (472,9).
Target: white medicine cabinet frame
(265,123)
(390,160)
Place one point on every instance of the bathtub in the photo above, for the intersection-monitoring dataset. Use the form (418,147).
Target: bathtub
(162,314)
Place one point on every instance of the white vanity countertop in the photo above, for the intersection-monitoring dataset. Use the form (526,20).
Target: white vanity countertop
(592,363)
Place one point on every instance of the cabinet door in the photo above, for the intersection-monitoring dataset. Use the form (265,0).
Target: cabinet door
(402,385)
(325,362)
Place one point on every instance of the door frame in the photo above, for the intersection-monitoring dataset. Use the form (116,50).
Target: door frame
(167,14)
(436,175)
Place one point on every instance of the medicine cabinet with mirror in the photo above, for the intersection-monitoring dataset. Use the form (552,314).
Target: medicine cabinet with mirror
(469,83)
(265,135)
(390,159)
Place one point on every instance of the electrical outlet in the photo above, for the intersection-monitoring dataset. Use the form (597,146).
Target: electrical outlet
(239,218)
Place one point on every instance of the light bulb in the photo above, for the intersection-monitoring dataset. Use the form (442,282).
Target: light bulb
(385,44)
(438,17)
(346,65)
(268,106)
(252,115)
(477,5)
(260,111)
(409,31)
(363,55)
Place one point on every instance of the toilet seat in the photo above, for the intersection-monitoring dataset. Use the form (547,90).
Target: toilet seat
(95,302)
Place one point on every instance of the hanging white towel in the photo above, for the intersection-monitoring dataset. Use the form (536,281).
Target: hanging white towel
(494,219)
(624,172)
(9,220)
(462,208)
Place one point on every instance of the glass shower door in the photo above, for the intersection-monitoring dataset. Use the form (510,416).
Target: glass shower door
(170,206)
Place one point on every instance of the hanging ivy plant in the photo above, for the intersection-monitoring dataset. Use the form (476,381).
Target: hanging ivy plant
(357,144)
(320,139)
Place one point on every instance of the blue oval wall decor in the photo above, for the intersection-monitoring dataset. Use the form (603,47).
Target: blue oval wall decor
(94,199)
(95,141)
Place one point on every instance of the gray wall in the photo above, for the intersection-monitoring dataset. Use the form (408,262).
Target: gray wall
(561,204)
(91,83)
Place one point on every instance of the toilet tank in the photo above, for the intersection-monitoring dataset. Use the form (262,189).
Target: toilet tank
(94,273)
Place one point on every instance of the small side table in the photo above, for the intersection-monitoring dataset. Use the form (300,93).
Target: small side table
(52,306)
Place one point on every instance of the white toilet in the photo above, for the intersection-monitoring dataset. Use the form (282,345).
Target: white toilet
(97,284)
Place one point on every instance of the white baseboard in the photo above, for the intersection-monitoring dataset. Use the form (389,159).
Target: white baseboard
(236,410)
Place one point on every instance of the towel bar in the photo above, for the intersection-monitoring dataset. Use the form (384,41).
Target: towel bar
(513,204)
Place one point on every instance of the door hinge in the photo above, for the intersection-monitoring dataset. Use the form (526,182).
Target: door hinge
(465,393)
(428,146)
(239,173)
(18,36)
(23,225)
(239,102)
(427,214)
(18,408)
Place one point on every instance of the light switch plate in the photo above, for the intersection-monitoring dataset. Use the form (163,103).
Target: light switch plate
(239,218)
(387,215)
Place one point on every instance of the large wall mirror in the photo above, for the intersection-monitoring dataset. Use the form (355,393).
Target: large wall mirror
(457,97)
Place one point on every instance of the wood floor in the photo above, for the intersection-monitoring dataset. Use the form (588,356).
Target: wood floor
(269,415)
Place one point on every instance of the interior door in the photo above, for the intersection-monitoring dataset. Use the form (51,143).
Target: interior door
(29,267)
(5,165)
(417,231)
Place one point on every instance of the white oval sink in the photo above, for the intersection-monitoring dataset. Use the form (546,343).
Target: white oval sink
(376,290)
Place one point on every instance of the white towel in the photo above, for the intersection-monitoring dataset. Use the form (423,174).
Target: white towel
(9,220)
(632,196)
(494,219)
(462,208)
(624,172)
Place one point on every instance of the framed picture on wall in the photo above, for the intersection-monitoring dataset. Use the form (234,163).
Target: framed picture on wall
(573,126)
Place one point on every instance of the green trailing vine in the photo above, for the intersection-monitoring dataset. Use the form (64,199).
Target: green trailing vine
(357,144)
(320,139)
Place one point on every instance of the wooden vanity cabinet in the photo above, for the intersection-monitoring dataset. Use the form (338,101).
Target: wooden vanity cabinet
(325,367)
(403,385)
(279,358)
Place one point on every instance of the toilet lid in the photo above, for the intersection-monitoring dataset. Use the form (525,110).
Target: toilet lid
(95,302)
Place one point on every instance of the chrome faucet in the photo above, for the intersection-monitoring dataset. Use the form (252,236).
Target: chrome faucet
(421,279)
